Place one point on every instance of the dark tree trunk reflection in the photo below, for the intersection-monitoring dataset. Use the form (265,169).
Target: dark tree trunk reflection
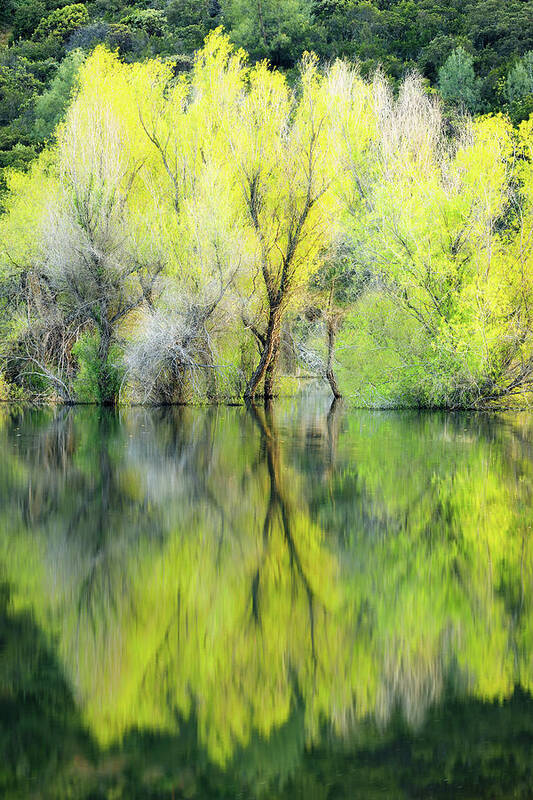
(279,511)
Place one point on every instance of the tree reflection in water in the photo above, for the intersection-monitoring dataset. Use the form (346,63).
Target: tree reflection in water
(266,600)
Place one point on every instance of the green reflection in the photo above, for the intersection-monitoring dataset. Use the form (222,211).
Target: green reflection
(282,600)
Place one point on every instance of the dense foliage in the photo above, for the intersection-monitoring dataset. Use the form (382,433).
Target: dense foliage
(36,36)
(200,235)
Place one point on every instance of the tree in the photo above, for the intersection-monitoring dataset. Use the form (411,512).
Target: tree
(446,237)
(280,30)
(62,22)
(520,79)
(18,85)
(151,21)
(93,259)
(333,291)
(51,106)
(191,21)
(189,333)
(239,188)
(457,80)
(28,15)
(281,149)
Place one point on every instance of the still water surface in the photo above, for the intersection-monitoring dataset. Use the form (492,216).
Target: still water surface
(302,603)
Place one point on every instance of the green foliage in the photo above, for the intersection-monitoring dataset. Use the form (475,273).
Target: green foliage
(457,81)
(27,17)
(96,382)
(62,22)
(396,36)
(127,40)
(519,82)
(190,21)
(6,12)
(521,110)
(151,21)
(518,89)
(9,392)
(280,30)
(50,107)
(400,35)
(18,85)
(340,193)
(449,260)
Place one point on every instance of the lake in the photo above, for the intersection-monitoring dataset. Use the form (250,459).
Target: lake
(300,602)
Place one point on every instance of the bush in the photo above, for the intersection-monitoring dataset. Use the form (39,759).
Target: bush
(126,40)
(520,110)
(9,392)
(119,37)
(4,389)
(89,36)
(89,378)
(17,88)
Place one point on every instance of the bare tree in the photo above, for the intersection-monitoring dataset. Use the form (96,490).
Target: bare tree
(173,350)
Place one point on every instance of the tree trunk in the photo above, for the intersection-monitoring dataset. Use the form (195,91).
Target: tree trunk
(279,509)
(210,373)
(176,391)
(271,370)
(330,375)
(271,341)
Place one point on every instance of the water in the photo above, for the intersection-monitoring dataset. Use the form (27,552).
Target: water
(307,603)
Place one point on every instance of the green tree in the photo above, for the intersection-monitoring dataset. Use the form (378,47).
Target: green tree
(51,106)
(149,20)
(18,86)
(27,17)
(458,82)
(519,82)
(279,30)
(62,22)
(191,21)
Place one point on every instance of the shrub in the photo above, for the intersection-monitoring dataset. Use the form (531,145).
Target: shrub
(89,378)
(89,36)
